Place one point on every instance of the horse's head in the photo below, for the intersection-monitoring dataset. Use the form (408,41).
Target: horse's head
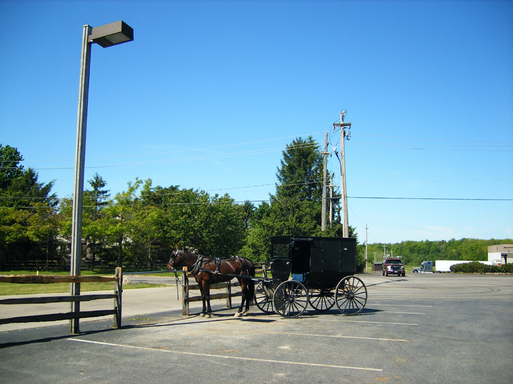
(176,260)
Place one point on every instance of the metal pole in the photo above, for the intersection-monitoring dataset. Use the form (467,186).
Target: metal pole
(325,172)
(76,219)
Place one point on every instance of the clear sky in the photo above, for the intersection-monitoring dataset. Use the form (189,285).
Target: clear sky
(210,92)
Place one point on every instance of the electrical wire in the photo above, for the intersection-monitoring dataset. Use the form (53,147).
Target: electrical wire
(303,199)
(331,136)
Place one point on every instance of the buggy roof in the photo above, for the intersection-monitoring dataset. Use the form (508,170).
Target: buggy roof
(286,239)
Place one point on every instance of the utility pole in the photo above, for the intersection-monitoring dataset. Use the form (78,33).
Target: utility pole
(331,200)
(325,172)
(343,135)
(366,247)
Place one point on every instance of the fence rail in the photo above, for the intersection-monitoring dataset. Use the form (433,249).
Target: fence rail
(186,287)
(43,279)
(86,265)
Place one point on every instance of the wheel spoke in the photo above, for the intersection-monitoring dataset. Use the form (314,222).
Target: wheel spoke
(321,300)
(264,297)
(351,295)
(290,299)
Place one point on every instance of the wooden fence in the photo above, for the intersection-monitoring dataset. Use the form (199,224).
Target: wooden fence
(187,287)
(75,316)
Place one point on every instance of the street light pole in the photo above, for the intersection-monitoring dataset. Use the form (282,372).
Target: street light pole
(106,36)
(76,218)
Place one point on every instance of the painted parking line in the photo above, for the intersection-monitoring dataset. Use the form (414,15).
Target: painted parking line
(342,319)
(405,305)
(226,357)
(406,313)
(380,322)
(338,336)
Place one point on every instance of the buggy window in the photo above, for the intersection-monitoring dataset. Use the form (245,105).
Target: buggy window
(280,250)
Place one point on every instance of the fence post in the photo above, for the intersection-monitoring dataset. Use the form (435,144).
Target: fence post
(229,298)
(185,292)
(118,290)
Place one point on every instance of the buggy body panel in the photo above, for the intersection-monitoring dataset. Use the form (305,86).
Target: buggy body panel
(318,262)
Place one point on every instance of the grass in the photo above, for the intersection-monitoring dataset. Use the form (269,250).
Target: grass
(83,273)
(31,289)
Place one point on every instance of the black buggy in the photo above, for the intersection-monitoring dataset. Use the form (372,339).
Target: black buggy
(311,270)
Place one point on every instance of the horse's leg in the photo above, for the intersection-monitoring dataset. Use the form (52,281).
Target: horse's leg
(239,310)
(206,288)
(247,296)
(204,309)
(244,299)
(248,293)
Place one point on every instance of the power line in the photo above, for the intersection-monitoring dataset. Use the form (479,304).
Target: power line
(179,160)
(187,150)
(426,198)
(434,139)
(302,199)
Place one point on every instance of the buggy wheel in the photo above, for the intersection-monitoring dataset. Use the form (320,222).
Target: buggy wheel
(264,297)
(351,295)
(290,298)
(321,299)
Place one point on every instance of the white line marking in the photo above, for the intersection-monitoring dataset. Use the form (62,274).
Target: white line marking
(407,313)
(228,357)
(338,336)
(404,305)
(379,322)
(363,321)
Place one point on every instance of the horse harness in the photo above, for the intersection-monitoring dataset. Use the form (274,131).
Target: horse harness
(197,266)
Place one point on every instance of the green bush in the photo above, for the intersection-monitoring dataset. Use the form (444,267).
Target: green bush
(477,267)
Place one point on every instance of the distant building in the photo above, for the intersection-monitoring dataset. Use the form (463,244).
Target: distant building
(500,254)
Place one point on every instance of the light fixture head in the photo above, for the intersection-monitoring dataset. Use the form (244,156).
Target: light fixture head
(112,34)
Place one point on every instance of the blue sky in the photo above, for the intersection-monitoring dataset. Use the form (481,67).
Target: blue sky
(209,93)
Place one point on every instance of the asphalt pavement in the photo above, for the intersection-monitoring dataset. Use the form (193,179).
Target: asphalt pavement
(432,328)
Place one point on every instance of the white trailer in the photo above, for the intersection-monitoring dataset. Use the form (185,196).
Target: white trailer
(445,265)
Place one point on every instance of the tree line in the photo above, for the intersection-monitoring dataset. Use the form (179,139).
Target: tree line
(140,226)
(415,252)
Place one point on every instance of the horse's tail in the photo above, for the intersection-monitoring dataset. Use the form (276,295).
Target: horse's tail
(249,266)
(250,286)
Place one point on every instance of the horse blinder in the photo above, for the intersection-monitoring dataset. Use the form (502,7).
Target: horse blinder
(172,260)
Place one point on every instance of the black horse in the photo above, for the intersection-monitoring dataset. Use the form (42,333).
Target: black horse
(208,271)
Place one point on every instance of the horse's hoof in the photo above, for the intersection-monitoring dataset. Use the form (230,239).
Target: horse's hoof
(245,313)
(202,315)
(209,315)
(237,314)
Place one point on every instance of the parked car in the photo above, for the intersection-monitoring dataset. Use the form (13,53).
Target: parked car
(393,266)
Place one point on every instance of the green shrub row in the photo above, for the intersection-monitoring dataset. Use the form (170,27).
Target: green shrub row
(477,267)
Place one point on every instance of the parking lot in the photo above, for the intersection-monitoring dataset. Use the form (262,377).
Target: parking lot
(427,328)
